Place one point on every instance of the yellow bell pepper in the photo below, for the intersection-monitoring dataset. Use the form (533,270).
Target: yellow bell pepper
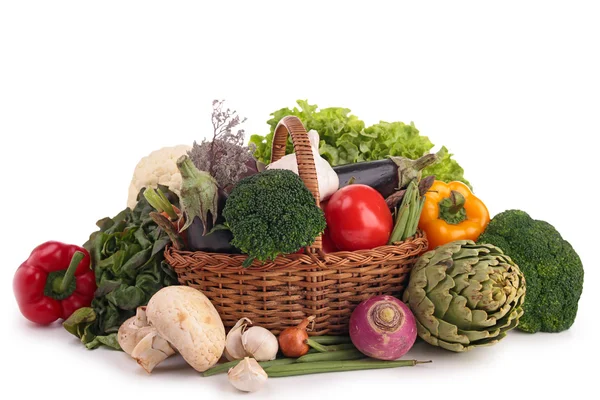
(452,212)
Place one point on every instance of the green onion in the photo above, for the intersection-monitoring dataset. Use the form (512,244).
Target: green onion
(335,366)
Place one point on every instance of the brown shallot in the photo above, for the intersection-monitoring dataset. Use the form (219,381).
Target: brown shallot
(292,340)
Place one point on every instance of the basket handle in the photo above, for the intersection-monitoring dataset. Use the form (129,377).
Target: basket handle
(304,157)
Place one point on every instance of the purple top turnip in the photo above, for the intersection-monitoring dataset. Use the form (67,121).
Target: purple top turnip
(383,327)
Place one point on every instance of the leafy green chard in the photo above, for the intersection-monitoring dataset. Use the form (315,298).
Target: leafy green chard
(127,258)
(345,139)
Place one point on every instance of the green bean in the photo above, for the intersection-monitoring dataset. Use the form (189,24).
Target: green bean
(318,347)
(342,346)
(401,221)
(220,368)
(322,348)
(341,355)
(335,366)
(328,340)
(415,225)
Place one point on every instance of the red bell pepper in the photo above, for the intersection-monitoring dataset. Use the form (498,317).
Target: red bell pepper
(53,282)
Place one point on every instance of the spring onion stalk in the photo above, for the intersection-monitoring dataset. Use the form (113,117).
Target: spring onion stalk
(318,367)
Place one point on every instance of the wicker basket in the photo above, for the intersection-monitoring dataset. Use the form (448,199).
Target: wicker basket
(281,293)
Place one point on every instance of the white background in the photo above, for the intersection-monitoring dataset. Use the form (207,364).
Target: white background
(88,88)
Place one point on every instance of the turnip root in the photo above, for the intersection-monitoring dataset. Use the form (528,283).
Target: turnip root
(383,327)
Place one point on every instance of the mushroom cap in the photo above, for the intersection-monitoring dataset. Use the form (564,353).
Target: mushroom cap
(186,318)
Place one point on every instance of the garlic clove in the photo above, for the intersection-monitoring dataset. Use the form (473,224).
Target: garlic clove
(247,376)
(327,178)
(234,349)
(260,343)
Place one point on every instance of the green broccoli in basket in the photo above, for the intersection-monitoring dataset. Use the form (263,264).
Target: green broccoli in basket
(553,271)
(272,213)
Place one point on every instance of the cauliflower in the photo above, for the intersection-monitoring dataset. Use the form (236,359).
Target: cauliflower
(159,167)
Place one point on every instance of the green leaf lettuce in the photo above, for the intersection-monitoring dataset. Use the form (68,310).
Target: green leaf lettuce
(345,139)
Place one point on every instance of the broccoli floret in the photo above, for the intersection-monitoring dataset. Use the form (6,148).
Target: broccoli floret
(272,213)
(553,270)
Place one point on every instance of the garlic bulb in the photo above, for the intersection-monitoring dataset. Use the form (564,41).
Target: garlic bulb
(326,177)
(234,349)
(260,343)
(247,376)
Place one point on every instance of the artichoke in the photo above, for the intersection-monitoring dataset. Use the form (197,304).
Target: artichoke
(465,295)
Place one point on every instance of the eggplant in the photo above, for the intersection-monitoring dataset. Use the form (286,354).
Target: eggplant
(217,241)
(381,175)
(387,175)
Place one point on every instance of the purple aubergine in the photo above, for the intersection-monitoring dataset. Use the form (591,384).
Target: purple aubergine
(381,175)
(387,175)
(215,242)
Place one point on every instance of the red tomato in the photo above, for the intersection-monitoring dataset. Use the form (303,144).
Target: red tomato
(358,218)
(327,244)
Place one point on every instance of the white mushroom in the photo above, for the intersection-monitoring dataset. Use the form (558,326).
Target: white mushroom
(151,351)
(187,320)
(133,330)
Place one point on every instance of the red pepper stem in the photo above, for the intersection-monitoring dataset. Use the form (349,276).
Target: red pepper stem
(66,280)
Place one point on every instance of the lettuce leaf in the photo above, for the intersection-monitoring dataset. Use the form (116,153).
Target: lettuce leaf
(345,139)
(128,262)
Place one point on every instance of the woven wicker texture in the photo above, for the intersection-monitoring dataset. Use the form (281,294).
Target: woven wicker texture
(282,292)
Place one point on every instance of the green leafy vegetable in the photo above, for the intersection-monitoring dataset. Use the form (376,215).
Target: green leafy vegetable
(127,258)
(345,139)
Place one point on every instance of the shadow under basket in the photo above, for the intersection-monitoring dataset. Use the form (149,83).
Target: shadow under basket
(281,293)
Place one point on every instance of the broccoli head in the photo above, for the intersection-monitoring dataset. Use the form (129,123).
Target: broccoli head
(553,270)
(272,213)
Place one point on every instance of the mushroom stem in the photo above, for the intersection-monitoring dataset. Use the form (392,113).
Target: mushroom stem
(151,351)
(133,330)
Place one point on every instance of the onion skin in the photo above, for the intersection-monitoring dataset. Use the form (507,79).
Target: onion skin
(292,340)
(383,327)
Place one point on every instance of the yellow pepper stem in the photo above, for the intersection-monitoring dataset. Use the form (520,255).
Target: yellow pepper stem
(452,208)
